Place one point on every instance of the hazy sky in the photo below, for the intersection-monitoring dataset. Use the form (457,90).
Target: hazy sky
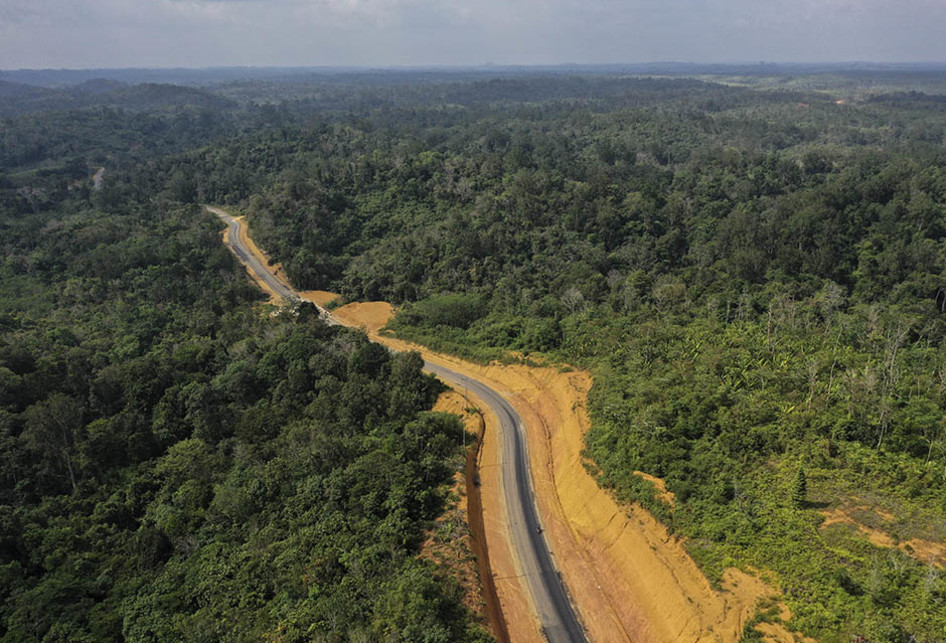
(197,33)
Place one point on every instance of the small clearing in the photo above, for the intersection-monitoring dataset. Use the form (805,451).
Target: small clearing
(660,488)
(925,551)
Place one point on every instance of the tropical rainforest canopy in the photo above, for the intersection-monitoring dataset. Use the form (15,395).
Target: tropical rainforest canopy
(754,272)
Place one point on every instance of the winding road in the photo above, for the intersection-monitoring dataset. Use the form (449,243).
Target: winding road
(556,615)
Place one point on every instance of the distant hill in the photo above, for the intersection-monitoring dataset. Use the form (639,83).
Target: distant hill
(20,90)
(134,76)
(212,76)
(98,86)
(18,98)
(149,96)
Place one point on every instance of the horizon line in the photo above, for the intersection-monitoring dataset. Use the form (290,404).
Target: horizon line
(489,65)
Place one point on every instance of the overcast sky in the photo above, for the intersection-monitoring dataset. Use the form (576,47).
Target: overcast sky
(198,33)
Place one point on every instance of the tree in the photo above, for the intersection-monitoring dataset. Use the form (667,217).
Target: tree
(370,359)
(52,430)
(799,489)
(411,390)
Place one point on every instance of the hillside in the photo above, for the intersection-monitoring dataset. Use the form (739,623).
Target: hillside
(181,462)
(17,99)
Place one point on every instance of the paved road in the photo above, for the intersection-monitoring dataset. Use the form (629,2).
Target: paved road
(548,593)
(558,619)
(249,259)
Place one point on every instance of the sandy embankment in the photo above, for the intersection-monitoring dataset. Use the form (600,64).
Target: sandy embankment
(512,619)
(520,622)
(629,578)
(467,556)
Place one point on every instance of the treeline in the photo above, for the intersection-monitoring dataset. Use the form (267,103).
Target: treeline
(553,197)
(17,99)
(176,464)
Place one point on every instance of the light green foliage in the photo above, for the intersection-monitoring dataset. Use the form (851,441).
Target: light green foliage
(455,311)
(799,489)
(754,277)
(731,414)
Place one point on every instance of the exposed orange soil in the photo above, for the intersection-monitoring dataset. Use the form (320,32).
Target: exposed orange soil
(661,493)
(925,551)
(453,402)
(475,421)
(450,544)
(371,317)
(321,297)
(777,633)
(274,268)
(520,620)
(886,515)
(629,578)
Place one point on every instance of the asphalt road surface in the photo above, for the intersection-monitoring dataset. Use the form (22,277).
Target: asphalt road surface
(249,259)
(555,612)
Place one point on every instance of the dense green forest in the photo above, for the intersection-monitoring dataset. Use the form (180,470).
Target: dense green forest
(176,461)
(754,270)
(754,276)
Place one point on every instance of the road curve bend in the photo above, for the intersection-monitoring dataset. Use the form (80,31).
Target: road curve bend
(554,610)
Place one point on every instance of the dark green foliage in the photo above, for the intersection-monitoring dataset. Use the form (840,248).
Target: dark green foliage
(755,279)
(176,465)
(16,99)
(455,311)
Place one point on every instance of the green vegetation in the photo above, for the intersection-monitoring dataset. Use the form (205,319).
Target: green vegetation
(755,279)
(753,272)
(177,463)
(800,489)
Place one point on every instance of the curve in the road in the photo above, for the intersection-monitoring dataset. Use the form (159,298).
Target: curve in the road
(555,612)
